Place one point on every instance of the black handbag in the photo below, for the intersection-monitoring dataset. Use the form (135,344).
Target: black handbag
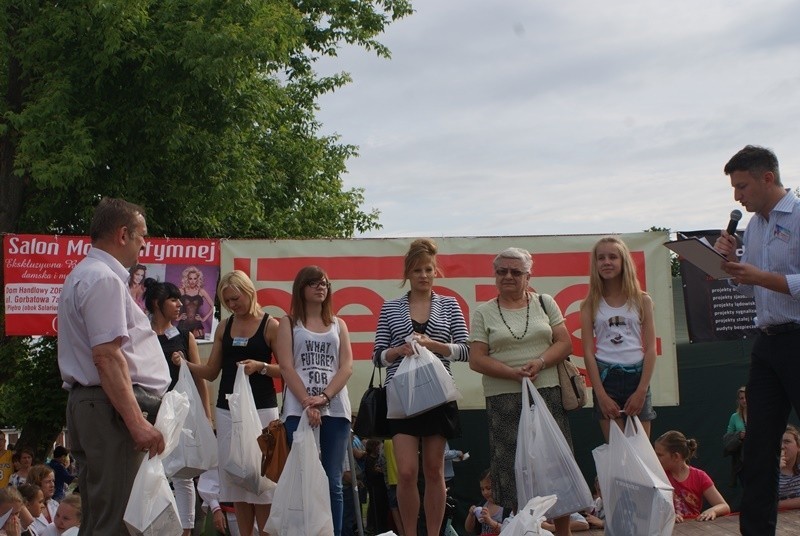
(371,420)
(148,402)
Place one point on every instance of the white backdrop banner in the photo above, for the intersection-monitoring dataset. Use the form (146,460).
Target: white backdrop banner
(365,272)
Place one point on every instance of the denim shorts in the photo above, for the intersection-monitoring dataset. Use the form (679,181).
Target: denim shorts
(620,385)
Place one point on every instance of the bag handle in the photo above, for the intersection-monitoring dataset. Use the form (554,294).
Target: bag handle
(528,399)
(372,378)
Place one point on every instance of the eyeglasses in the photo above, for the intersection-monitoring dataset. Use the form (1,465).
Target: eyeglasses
(502,272)
(319,283)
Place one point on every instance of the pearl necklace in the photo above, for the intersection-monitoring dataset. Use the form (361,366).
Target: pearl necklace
(527,316)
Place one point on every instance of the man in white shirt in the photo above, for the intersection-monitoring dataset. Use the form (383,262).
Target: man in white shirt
(105,348)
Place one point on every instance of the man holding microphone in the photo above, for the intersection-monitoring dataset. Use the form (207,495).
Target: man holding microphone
(769,270)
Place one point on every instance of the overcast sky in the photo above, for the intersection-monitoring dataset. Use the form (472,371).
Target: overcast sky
(531,117)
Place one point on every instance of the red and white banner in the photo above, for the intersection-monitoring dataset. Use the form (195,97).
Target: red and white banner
(366,272)
(36,265)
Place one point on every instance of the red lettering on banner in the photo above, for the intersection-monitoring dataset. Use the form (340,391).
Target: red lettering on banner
(242,264)
(360,296)
(484,293)
(274,297)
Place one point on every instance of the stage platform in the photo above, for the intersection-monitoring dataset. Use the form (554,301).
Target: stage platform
(788,525)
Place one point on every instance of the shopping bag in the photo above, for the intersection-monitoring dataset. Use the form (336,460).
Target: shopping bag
(544,464)
(151,508)
(244,463)
(637,496)
(197,447)
(301,503)
(528,521)
(371,419)
(420,383)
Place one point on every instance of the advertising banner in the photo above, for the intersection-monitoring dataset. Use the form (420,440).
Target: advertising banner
(365,272)
(36,265)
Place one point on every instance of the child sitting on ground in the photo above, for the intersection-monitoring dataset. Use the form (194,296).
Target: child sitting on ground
(488,518)
(691,484)
(10,505)
(67,520)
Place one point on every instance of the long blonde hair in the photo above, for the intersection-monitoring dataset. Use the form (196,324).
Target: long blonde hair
(634,295)
(739,409)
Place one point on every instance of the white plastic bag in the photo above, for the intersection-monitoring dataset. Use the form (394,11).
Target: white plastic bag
(544,463)
(420,383)
(528,521)
(244,463)
(197,448)
(637,496)
(151,507)
(302,502)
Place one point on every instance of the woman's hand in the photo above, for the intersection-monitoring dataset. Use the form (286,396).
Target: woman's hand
(251,366)
(314,401)
(635,403)
(403,350)
(314,417)
(533,368)
(608,407)
(177,358)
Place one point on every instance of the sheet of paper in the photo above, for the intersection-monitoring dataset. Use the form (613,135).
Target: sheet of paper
(701,254)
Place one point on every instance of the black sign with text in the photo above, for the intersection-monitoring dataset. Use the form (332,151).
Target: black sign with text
(715,310)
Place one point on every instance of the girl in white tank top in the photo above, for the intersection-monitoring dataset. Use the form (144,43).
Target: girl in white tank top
(621,355)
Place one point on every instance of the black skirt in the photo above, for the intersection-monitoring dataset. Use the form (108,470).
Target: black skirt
(442,420)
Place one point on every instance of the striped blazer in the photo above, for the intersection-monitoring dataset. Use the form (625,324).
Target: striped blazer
(446,324)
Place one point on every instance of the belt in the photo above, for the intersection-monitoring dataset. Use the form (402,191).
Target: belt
(627,369)
(779,329)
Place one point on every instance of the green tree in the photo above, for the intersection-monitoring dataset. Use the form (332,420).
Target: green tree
(203,111)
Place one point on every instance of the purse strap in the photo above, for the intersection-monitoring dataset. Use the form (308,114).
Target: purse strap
(372,378)
(560,363)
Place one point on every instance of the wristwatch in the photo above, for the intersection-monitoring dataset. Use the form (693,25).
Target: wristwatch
(263,370)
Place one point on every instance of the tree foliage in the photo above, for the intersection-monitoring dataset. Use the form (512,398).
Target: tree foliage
(203,111)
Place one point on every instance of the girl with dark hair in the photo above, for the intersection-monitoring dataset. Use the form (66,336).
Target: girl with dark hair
(163,301)
(316,361)
(691,485)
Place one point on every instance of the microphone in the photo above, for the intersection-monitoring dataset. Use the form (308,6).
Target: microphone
(736,215)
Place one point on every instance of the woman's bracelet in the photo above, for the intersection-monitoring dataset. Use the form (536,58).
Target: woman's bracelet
(544,363)
(323,393)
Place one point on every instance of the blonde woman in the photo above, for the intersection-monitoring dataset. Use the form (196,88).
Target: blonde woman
(246,338)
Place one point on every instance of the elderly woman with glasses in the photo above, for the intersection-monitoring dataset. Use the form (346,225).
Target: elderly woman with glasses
(316,361)
(519,334)
(438,324)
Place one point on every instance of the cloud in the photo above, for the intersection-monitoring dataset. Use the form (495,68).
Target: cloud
(507,117)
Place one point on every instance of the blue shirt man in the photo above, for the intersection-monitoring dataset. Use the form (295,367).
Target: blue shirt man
(769,270)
